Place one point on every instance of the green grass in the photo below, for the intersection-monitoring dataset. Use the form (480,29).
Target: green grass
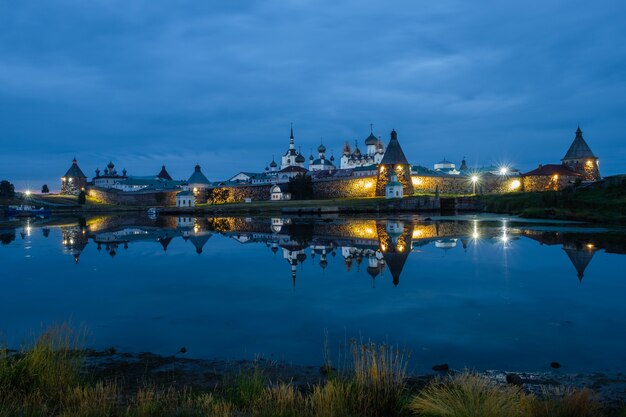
(597,205)
(47,378)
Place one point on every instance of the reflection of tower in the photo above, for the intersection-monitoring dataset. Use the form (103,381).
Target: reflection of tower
(375,266)
(322,251)
(394,239)
(165,241)
(580,255)
(199,240)
(74,241)
(294,254)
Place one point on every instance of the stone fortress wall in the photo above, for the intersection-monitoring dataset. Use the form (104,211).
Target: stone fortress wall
(355,187)
(137,198)
(365,187)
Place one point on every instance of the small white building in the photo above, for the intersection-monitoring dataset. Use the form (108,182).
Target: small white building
(394,189)
(446,167)
(185,199)
(278,192)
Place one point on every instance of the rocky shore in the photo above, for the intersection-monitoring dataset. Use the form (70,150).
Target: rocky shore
(133,370)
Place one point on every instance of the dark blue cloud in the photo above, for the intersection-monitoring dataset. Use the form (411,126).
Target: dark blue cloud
(146,83)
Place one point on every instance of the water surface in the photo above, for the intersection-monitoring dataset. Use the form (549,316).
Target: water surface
(483,294)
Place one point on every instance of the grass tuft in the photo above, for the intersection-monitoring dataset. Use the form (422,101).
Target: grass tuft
(567,402)
(470,395)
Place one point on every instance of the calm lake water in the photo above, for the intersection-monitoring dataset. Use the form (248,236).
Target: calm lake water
(483,294)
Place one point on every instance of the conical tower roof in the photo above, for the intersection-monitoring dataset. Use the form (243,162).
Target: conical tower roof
(579,149)
(394,155)
(198,177)
(74,171)
(164,175)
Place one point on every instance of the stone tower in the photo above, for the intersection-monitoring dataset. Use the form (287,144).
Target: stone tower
(394,161)
(74,180)
(580,159)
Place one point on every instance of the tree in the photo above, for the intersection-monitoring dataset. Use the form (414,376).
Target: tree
(45,189)
(6,189)
(82,198)
(300,187)
(160,198)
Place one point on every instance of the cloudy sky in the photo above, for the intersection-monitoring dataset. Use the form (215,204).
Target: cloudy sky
(146,83)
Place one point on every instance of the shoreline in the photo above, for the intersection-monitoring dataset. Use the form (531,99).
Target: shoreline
(213,374)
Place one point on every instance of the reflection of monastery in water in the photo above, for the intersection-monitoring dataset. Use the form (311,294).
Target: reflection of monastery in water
(375,248)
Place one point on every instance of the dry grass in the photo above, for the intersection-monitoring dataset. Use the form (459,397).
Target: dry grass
(45,380)
(281,400)
(567,402)
(470,395)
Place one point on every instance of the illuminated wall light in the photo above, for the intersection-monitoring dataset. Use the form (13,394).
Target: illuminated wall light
(515,185)
(416,181)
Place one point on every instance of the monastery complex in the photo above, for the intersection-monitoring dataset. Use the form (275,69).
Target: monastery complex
(379,169)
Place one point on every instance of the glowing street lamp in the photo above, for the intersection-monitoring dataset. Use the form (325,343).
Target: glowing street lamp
(504,171)
(27,193)
(474,179)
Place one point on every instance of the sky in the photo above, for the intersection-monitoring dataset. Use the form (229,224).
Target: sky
(146,83)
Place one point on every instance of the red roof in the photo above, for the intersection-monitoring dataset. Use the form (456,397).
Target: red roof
(551,170)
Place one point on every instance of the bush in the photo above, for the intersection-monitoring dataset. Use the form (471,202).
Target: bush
(468,395)
(45,189)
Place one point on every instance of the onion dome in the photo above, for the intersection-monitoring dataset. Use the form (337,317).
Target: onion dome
(371,140)
(321,148)
(332,158)
(357,153)
(124,172)
(97,172)
(311,158)
(110,166)
(300,159)
(273,164)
